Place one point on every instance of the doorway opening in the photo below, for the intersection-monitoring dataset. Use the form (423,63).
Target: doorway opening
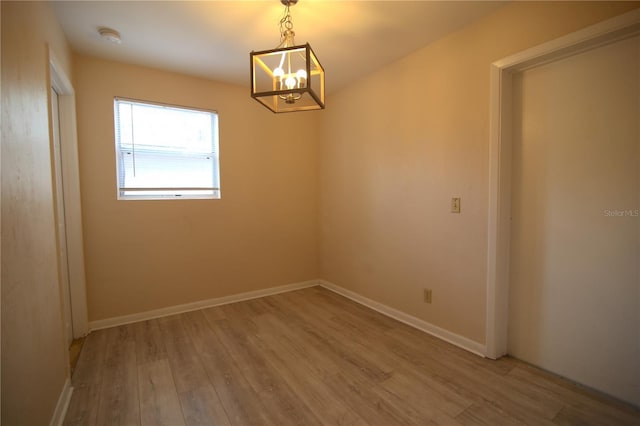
(500,192)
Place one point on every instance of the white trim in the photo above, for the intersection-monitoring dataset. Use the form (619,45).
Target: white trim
(71,188)
(454,339)
(63,404)
(59,79)
(447,336)
(605,32)
(201,304)
(499,214)
(609,31)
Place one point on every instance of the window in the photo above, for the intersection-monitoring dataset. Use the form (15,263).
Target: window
(165,152)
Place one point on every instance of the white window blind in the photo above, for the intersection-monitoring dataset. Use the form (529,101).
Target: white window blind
(165,151)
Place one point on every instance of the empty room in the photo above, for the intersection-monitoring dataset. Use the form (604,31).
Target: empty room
(274,212)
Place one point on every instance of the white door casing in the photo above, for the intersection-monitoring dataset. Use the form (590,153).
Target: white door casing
(63,265)
(70,190)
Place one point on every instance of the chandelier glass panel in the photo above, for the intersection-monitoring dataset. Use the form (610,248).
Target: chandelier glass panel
(288,78)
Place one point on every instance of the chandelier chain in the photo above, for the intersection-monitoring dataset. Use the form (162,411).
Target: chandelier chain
(286,28)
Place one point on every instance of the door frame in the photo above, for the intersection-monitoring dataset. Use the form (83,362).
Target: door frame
(61,234)
(500,145)
(71,190)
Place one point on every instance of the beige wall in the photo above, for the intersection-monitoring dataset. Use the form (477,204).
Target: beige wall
(397,145)
(34,360)
(574,284)
(144,255)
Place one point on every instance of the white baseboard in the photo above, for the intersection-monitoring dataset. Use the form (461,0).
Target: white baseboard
(193,306)
(455,339)
(63,403)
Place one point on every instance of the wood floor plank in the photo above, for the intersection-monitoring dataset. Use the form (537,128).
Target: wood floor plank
(362,398)
(421,408)
(476,384)
(312,357)
(341,307)
(159,403)
(242,404)
(202,407)
(356,339)
(299,345)
(245,309)
(306,326)
(83,407)
(299,375)
(416,391)
(498,393)
(427,381)
(487,415)
(217,312)
(87,381)
(119,403)
(447,350)
(580,405)
(89,367)
(282,406)
(149,341)
(188,371)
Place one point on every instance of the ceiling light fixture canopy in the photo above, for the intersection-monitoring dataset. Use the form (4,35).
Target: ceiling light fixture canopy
(288,78)
(110,35)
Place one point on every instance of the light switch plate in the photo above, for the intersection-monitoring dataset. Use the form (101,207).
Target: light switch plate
(455,205)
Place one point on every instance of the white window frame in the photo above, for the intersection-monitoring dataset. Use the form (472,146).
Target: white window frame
(166,193)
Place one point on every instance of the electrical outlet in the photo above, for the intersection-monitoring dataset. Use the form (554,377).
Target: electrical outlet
(427,295)
(455,205)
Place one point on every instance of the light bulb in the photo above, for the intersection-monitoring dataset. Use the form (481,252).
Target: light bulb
(302,77)
(278,72)
(290,82)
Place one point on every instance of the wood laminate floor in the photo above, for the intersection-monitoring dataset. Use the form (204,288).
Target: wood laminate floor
(312,357)
(74,352)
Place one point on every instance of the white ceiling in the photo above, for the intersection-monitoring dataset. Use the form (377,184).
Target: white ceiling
(212,39)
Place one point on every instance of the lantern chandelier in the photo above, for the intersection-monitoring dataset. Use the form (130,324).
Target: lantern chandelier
(288,78)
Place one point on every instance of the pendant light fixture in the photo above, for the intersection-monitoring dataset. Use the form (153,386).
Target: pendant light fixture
(288,78)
